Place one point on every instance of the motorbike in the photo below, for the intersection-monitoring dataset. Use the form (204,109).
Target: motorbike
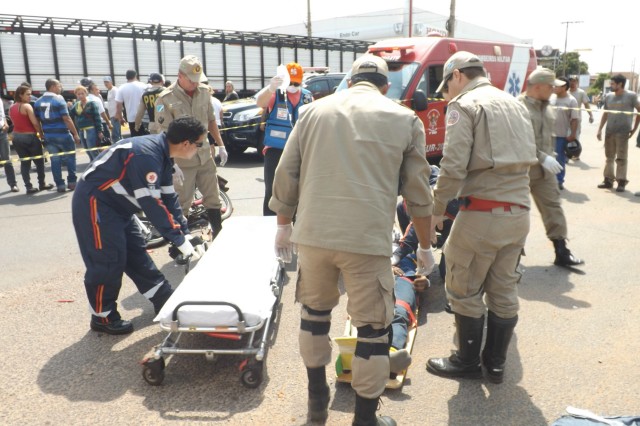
(196,216)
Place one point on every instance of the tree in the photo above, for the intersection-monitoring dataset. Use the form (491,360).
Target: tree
(574,65)
(598,84)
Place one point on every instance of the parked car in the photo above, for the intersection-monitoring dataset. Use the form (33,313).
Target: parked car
(242,117)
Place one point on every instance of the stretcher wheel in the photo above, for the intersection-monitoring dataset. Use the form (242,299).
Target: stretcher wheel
(251,376)
(153,371)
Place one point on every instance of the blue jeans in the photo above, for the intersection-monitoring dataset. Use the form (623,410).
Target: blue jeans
(89,140)
(561,157)
(403,290)
(115,133)
(56,144)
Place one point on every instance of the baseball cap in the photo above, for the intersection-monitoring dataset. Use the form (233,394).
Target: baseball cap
(192,67)
(295,72)
(459,61)
(155,77)
(544,76)
(370,64)
(107,78)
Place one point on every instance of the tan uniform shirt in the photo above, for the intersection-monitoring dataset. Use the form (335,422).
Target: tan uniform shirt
(543,120)
(175,103)
(342,166)
(488,148)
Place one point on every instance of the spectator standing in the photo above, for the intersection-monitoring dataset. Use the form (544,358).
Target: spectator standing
(621,103)
(87,119)
(283,110)
(60,134)
(94,95)
(488,149)
(566,128)
(112,108)
(26,141)
(356,170)
(189,98)
(542,179)
(583,99)
(148,104)
(129,95)
(229,92)
(132,175)
(5,152)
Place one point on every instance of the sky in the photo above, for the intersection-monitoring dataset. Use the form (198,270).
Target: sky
(604,36)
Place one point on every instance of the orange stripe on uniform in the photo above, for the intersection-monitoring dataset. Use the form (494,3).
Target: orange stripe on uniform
(99,294)
(94,222)
(174,224)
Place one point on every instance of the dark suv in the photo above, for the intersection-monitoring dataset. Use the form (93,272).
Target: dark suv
(242,117)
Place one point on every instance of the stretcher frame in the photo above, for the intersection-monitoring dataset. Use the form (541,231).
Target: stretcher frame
(255,350)
(347,346)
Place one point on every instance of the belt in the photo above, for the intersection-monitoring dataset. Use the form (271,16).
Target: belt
(479,205)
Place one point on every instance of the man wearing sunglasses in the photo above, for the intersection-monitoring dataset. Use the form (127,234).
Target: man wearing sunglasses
(133,175)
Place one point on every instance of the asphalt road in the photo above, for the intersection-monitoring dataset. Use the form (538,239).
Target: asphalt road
(577,342)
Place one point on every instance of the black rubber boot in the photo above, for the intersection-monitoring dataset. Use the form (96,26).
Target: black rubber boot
(215,219)
(319,394)
(563,254)
(494,355)
(465,362)
(365,414)
(161,297)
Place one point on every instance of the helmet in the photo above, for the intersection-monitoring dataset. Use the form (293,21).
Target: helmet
(86,81)
(573,149)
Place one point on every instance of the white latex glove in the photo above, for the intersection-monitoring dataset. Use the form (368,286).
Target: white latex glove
(284,246)
(222,153)
(275,82)
(178,176)
(198,247)
(551,165)
(426,262)
(395,259)
(188,250)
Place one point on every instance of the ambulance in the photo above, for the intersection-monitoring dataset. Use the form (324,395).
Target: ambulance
(415,72)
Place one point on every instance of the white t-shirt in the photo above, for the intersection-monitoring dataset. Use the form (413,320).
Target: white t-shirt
(130,94)
(217,107)
(111,101)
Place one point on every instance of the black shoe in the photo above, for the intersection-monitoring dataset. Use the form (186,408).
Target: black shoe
(465,362)
(620,188)
(447,308)
(115,328)
(453,367)
(46,187)
(32,190)
(560,186)
(564,257)
(605,185)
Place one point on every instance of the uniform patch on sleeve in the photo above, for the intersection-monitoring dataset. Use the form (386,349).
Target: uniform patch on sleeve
(152,177)
(452,117)
(160,108)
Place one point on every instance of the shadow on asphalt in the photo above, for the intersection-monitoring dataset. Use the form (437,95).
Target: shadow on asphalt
(550,284)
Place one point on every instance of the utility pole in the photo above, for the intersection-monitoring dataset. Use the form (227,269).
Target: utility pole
(309,32)
(613,54)
(566,37)
(451,23)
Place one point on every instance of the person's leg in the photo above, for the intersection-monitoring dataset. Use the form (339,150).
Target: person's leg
(271,160)
(187,188)
(90,142)
(317,292)
(70,159)
(561,157)
(142,270)
(102,243)
(207,183)
(55,146)
(546,196)
(5,155)
(369,283)
(35,149)
(21,145)
(622,152)
(115,134)
(610,154)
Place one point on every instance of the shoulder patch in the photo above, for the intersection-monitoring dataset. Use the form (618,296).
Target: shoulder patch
(152,177)
(159,107)
(452,117)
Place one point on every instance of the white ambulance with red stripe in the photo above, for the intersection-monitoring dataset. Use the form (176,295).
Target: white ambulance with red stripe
(415,71)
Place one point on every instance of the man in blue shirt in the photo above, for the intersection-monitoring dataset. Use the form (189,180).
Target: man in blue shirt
(134,174)
(51,110)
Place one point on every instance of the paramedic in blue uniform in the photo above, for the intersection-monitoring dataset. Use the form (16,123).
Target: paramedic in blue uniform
(283,110)
(133,175)
(338,159)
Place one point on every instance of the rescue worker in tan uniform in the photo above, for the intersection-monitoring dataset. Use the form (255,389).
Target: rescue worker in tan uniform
(343,190)
(488,149)
(542,176)
(189,98)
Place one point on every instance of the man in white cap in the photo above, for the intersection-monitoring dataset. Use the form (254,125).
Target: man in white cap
(188,97)
(357,170)
(488,149)
(542,176)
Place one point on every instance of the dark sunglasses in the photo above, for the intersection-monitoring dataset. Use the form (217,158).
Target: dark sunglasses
(197,144)
(445,87)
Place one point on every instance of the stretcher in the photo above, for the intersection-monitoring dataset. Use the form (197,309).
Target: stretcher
(232,292)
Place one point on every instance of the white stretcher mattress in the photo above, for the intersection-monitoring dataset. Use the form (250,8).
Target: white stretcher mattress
(237,268)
